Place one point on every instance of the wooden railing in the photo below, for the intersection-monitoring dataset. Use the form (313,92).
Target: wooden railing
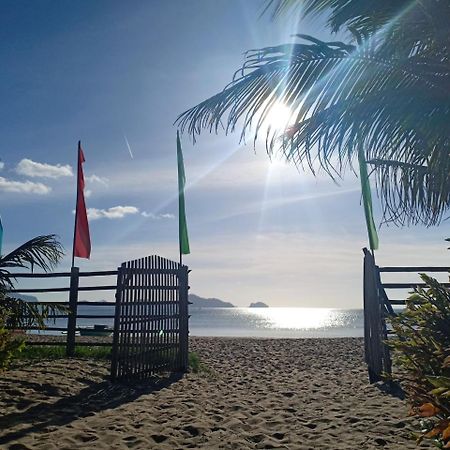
(378,306)
(73,290)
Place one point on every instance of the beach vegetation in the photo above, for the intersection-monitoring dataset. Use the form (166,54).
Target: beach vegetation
(43,252)
(33,352)
(421,351)
(9,348)
(382,90)
(196,365)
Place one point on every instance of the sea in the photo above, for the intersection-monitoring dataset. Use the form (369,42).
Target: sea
(255,322)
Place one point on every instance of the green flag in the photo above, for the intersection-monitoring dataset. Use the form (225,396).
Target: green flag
(367,200)
(1,235)
(182,225)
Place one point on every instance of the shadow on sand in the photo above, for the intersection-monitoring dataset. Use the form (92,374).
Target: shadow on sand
(94,398)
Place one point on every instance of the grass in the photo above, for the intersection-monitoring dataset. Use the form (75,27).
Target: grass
(197,366)
(32,352)
(59,351)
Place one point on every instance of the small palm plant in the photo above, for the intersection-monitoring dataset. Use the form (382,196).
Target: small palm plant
(43,252)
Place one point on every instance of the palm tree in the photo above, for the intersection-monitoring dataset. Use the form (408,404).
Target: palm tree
(386,92)
(43,252)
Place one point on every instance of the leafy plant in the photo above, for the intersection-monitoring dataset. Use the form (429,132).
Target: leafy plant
(58,351)
(197,366)
(43,252)
(10,347)
(421,349)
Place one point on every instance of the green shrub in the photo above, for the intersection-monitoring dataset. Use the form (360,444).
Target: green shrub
(10,347)
(197,366)
(44,252)
(59,351)
(421,350)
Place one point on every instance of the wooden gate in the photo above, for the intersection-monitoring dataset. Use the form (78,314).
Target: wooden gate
(151,319)
(378,306)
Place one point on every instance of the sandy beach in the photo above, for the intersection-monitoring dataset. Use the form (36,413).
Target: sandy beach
(255,394)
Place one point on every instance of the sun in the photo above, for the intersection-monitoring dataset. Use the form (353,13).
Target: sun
(279,117)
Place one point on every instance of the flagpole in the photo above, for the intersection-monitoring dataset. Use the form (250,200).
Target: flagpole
(76,207)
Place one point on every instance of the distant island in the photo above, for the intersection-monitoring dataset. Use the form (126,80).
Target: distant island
(200,302)
(258,305)
(25,297)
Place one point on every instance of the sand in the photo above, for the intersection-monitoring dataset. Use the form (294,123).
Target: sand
(256,393)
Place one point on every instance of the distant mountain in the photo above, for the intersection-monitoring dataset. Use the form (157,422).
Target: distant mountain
(25,297)
(200,302)
(258,305)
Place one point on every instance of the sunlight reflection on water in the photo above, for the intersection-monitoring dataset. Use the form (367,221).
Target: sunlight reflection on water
(276,322)
(298,318)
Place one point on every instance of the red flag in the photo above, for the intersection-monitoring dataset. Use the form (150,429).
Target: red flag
(82,239)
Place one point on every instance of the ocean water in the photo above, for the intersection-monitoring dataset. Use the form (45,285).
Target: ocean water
(277,322)
(256,322)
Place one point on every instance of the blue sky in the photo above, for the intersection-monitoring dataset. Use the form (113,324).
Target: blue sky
(110,71)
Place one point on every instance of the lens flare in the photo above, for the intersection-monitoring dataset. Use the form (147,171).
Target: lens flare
(278,118)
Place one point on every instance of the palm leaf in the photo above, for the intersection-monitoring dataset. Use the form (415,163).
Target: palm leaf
(412,186)
(399,108)
(17,314)
(42,251)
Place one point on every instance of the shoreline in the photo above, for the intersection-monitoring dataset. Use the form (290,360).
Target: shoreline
(255,393)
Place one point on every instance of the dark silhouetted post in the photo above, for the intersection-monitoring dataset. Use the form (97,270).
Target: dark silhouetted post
(72,319)
(184,318)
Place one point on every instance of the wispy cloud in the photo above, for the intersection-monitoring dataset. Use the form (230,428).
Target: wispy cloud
(115,212)
(2,165)
(96,179)
(23,187)
(149,215)
(31,168)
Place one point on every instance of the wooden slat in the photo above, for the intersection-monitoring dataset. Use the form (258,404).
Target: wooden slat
(101,273)
(152,270)
(414,269)
(63,343)
(408,285)
(63,289)
(83,302)
(64,274)
(78,316)
(37,290)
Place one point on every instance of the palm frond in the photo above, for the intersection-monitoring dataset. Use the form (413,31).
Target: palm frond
(16,313)
(341,95)
(419,191)
(42,251)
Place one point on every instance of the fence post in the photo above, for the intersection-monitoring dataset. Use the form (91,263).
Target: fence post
(72,319)
(385,309)
(117,311)
(372,320)
(184,318)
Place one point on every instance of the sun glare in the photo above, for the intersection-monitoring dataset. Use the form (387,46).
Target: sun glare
(279,117)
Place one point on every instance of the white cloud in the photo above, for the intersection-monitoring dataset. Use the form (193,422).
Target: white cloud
(2,165)
(31,168)
(23,187)
(96,179)
(157,216)
(87,193)
(116,212)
